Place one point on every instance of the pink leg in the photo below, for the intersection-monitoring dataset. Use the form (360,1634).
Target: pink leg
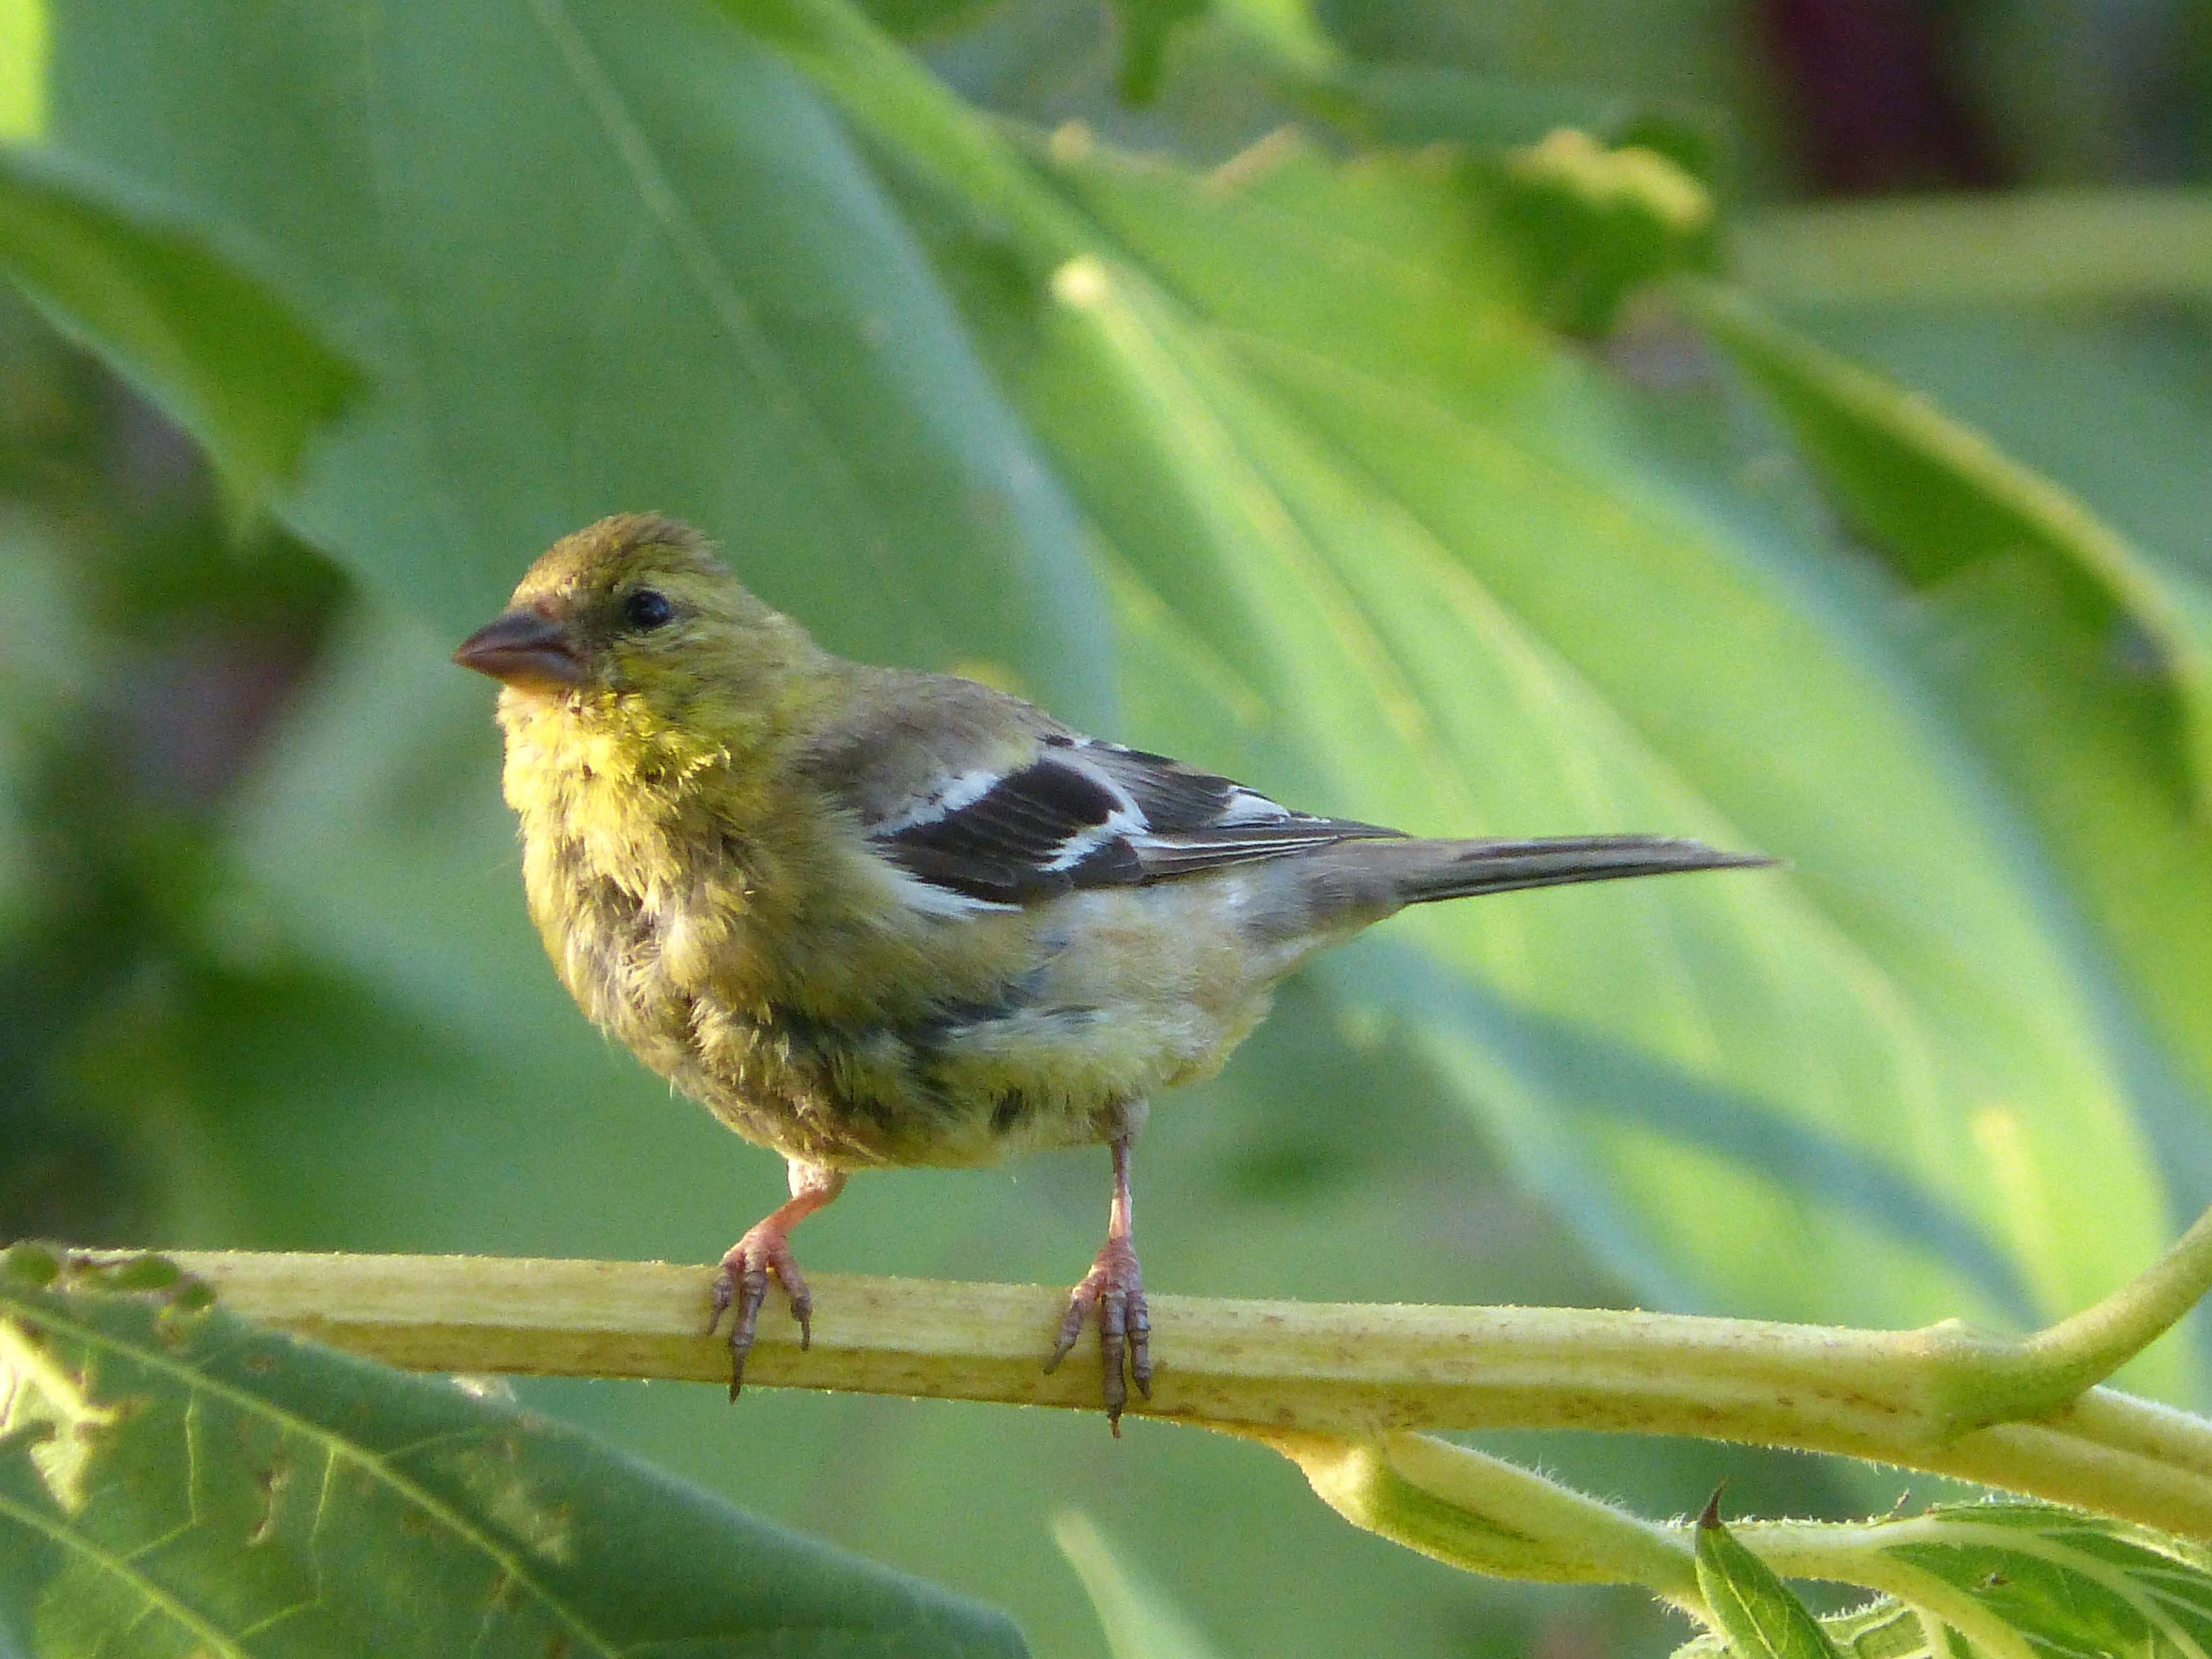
(1115,1288)
(765,1249)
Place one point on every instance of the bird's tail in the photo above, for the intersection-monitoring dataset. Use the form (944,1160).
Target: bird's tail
(1455,869)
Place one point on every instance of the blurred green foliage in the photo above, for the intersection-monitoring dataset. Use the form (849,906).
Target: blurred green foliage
(1383,475)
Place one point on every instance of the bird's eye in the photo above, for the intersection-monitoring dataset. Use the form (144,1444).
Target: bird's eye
(646,608)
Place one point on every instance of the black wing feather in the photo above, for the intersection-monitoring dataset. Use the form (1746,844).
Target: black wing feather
(1004,846)
(1094,815)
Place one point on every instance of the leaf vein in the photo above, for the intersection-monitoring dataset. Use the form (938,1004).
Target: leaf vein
(335,1447)
(156,1599)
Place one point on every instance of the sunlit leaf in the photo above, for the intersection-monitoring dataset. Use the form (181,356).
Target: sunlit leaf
(1758,1615)
(640,267)
(2037,246)
(1592,224)
(1138,1623)
(2004,1579)
(188,1484)
(1884,1629)
(1437,564)
(2080,657)
(1938,498)
(23,45)
(2071,1583)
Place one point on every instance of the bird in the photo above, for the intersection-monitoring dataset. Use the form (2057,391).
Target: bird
(875,917)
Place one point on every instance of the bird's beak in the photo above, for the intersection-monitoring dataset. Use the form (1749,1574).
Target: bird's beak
(526,649)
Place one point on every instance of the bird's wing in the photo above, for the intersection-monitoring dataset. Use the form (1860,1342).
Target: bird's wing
(1075,812)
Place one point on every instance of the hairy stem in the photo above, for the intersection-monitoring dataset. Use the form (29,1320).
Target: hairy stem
(1329,1369)
(1488,1516)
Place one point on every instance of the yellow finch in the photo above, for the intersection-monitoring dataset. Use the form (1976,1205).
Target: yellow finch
(873,917)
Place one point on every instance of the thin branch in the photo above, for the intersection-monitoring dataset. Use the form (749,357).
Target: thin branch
(2057,1363)
(1331,1370)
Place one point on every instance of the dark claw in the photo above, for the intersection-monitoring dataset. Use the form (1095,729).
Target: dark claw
(1071,1327)
(1141,1343)
(802,1309)
(746,1324)
(1113,1333)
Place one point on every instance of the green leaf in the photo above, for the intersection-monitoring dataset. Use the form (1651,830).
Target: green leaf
(1421,539)
(2087,741)
(1592,224)
(1887,1629)
(1138,1623)
(2080,657)
(1406,105)
(24,46)
(1994,246)
(231,362)
(31,1264)
(1759,1615)
(1884,1629)
(2071,1583)
(193,1485)
(2066,697)
(1938,499)
(926,19)
(1147,26)
(639,267)
(2004,1578)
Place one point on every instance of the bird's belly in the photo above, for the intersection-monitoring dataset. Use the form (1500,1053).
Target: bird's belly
(955,1090)
(961,1083)
(1121,994)
(1138,990)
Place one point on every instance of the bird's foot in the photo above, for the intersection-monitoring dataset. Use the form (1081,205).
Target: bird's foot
(1116,1288)
(743,1285)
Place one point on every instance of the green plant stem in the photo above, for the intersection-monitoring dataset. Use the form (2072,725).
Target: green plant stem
(2058,1362)
(1331,1369)
(1487,1515)
(2035,247)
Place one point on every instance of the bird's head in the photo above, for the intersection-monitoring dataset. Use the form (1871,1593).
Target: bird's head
(636,611)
